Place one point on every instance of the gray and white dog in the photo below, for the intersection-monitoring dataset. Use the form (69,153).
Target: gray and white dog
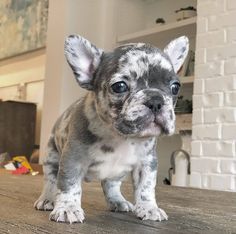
(113,129)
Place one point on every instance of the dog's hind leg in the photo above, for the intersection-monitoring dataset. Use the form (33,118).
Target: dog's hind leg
(50,168)
(114,198)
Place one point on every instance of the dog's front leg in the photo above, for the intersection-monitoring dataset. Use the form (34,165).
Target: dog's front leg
(144,179)
(70,176)
(114,198)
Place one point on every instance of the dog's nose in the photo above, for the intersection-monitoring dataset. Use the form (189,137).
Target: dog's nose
(155,104)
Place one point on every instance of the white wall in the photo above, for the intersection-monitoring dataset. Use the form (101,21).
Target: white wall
(214,117)
(87,18)
(22,69)
(34,93)
(8,93)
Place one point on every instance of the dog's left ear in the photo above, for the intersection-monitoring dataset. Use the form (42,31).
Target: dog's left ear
(84,58)
(177,51)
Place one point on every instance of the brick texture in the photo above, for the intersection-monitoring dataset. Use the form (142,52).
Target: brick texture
(213,160)
(231,34)
(231,5)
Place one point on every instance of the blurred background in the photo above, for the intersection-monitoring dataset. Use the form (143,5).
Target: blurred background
(37,85)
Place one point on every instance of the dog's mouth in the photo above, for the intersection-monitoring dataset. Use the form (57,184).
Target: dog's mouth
(159,122)
(150,125)
(155,128)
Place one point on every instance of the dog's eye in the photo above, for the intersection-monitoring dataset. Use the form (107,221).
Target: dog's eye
(175,88)
(120,87)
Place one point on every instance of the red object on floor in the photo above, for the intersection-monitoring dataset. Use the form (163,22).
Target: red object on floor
(20,171)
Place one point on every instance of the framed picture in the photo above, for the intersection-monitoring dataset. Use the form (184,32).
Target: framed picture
(23,26)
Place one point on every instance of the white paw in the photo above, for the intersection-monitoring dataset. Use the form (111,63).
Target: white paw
(150,212)
(123,206)
(43,204)
(67,214)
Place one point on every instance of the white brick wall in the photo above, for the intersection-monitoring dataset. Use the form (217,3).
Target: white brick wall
(213,161)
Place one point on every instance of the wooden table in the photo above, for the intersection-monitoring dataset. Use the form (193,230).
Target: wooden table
(190,210)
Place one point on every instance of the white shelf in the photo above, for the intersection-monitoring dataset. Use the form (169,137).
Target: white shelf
(187,80)
(159,33)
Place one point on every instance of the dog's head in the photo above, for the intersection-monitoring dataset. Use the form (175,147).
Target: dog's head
(135,86)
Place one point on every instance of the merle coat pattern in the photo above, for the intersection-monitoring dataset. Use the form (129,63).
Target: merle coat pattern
(112,131)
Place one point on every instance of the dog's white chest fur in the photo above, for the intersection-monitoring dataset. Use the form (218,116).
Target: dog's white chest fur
(114,163)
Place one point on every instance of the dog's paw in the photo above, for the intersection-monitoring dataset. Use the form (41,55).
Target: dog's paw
(121,206)
(69,214)
(43,204)
(150,212)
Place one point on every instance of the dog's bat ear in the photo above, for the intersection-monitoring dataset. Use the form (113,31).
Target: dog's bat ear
(84,58)
(177,50)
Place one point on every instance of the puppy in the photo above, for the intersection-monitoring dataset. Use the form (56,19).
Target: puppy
(131,96)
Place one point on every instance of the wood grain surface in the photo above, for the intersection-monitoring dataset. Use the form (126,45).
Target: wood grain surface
(189,210)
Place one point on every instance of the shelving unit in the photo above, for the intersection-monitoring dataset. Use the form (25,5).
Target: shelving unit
(164,32)
(187,80)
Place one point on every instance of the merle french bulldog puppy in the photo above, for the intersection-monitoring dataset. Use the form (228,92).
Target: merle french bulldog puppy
(113,129)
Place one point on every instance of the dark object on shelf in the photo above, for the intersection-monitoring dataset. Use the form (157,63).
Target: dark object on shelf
(160,21)
(183,106)
(185,13)
(189,8)
(166,181)
(17,128)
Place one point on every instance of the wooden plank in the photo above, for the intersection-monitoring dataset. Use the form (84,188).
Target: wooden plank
(189,210)
(187,80)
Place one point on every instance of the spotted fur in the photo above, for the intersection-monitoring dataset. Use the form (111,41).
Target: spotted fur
(106,135)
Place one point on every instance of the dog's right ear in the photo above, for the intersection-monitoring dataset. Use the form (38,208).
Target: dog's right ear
(84,58)
(177,50)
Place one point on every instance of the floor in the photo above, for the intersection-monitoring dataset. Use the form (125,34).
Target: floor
(189,210)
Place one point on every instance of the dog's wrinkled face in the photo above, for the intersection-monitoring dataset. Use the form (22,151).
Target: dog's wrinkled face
(135,86)
(137,89)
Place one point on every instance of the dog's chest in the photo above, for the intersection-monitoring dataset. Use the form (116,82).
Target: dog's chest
(112,161)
